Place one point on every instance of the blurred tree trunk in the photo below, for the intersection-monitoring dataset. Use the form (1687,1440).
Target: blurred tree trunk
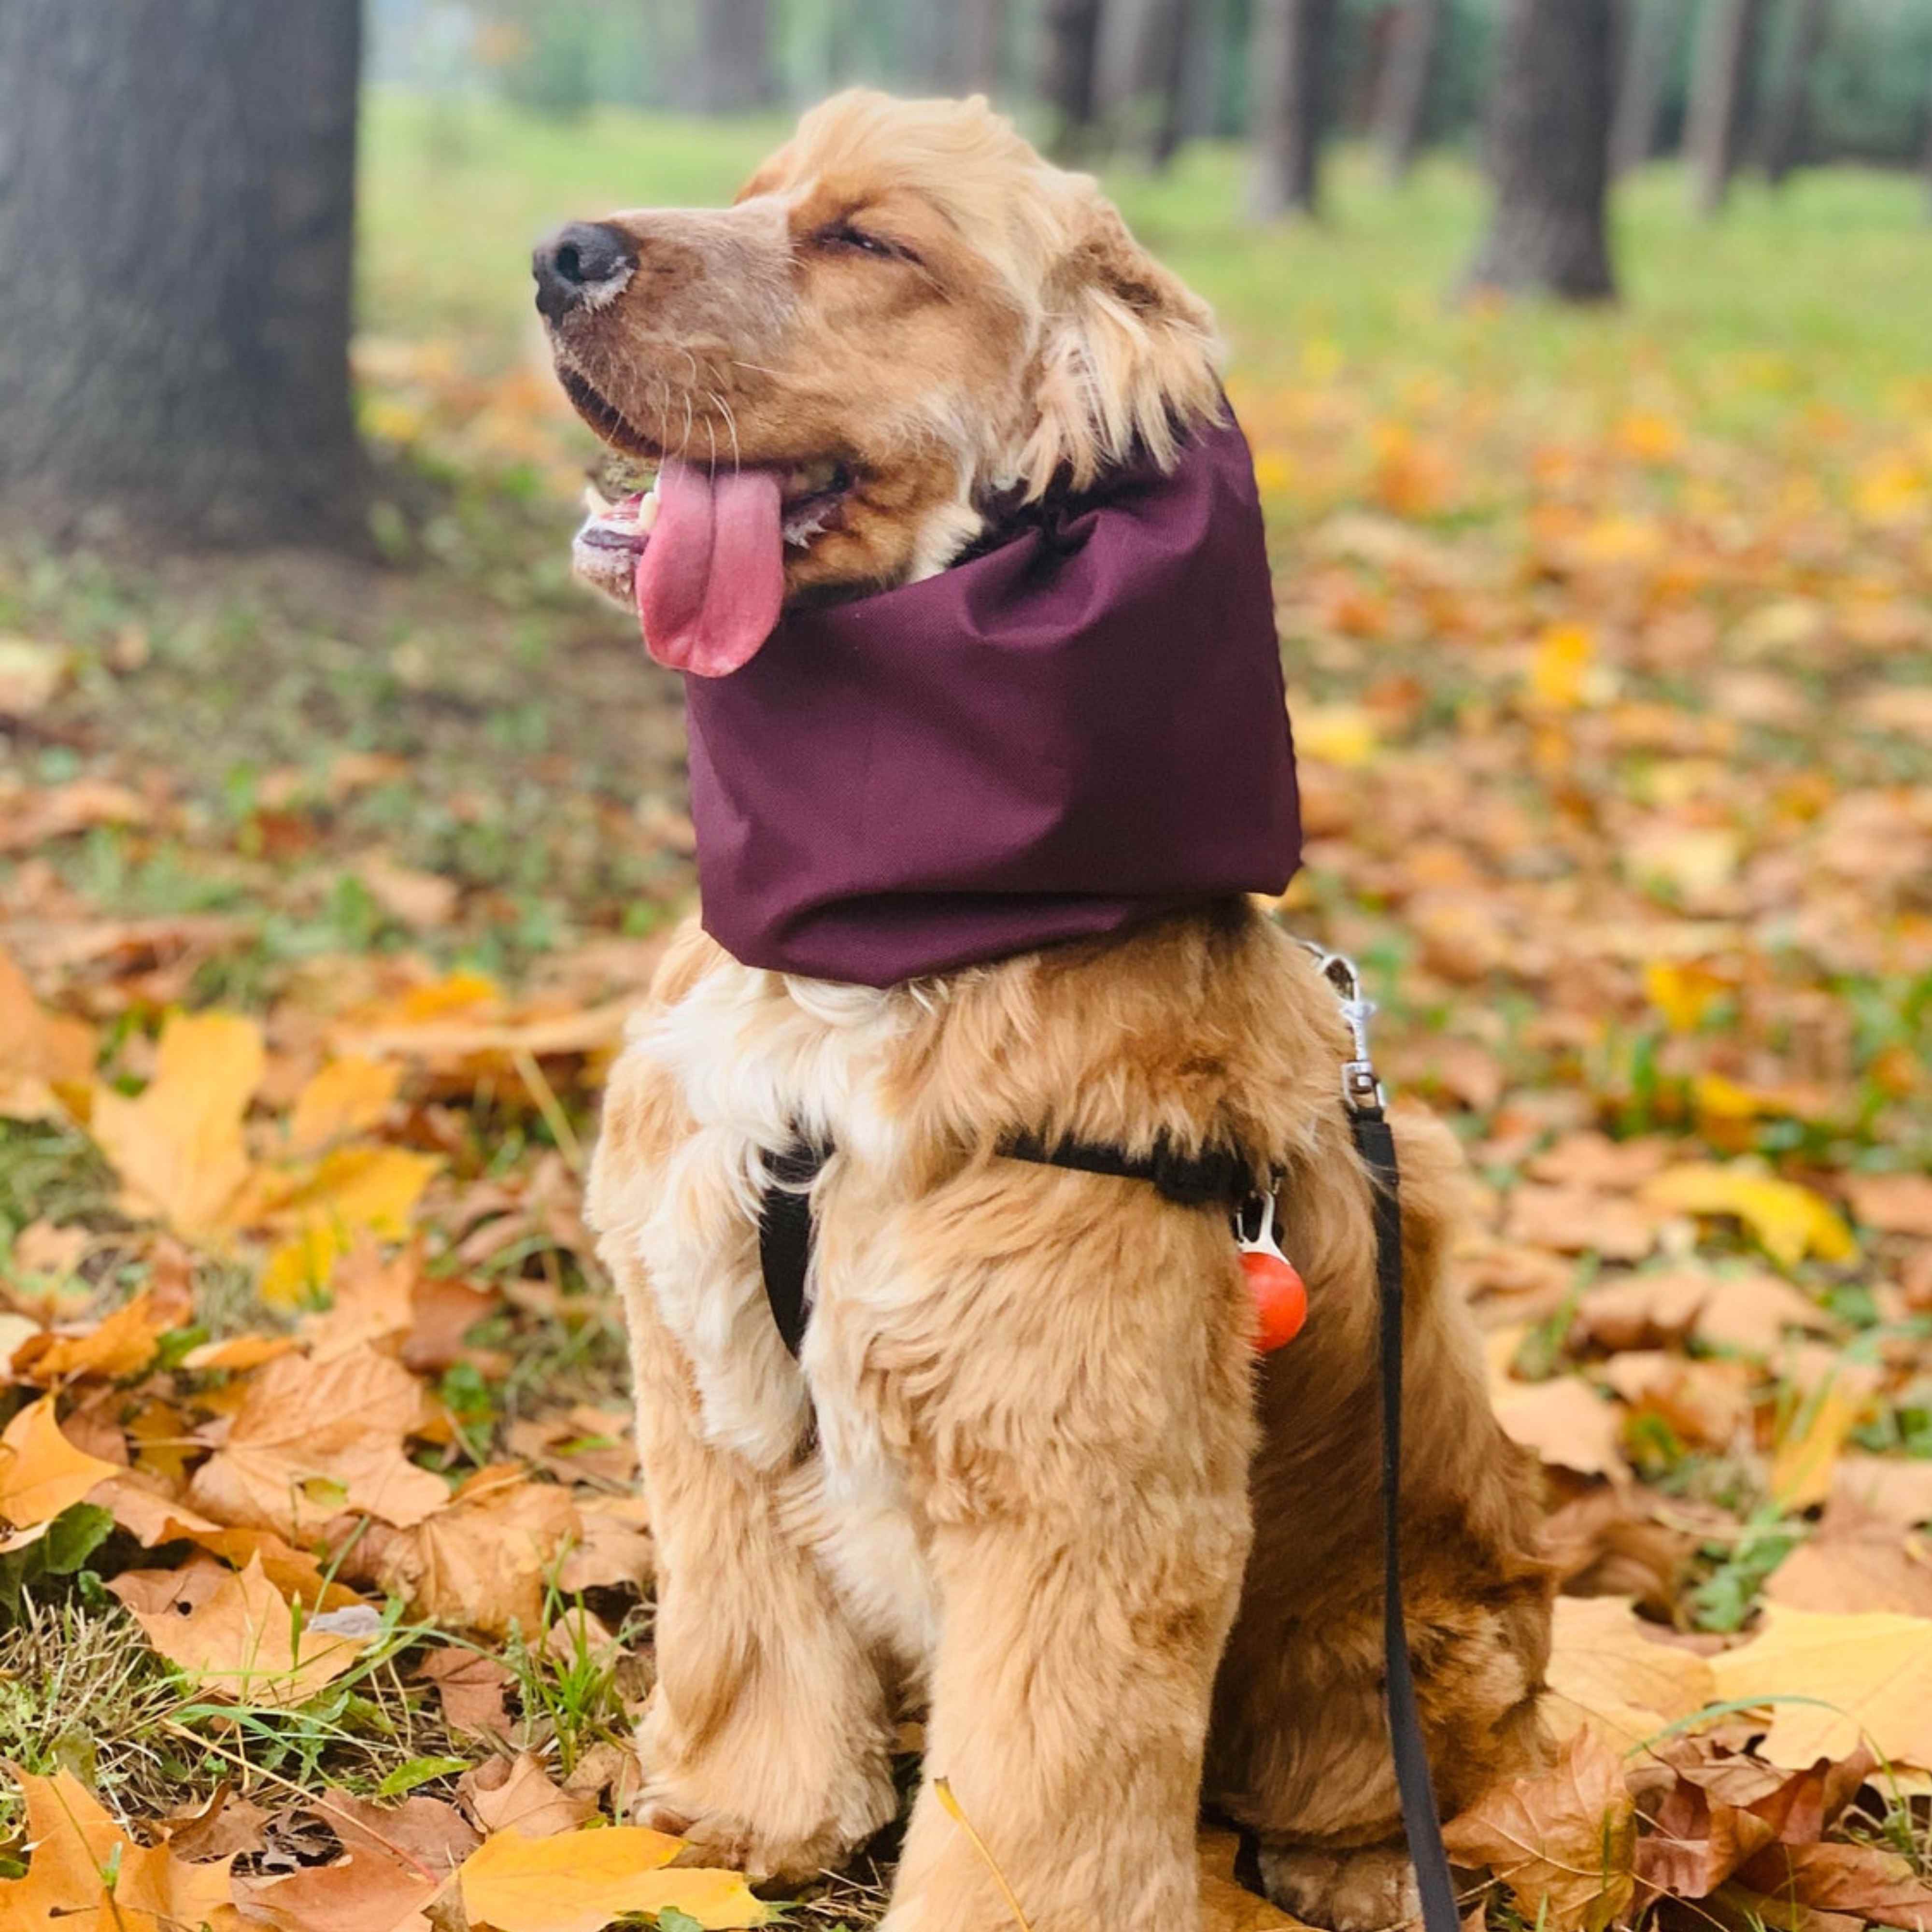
(1402,113)
(1720,98)
(1787,121)
(177,201)
(980,30)
(1550,148)
(1293,42)
(1172,28)
(734,55)
(1651,39)
(1069,71)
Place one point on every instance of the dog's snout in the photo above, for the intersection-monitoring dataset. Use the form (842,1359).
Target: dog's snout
(576,264)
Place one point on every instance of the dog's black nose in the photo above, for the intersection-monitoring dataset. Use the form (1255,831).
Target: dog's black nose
(575,263)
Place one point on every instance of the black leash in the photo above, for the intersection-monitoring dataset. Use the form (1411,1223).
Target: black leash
(1221,1177)
(1368,1126)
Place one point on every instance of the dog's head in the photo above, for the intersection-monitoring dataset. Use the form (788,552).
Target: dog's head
(907,315)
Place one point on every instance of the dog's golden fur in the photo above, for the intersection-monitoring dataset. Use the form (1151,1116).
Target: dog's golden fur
(1027,1474)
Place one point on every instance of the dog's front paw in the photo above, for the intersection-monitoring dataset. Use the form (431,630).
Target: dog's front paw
(1346,1891)
(761,1814)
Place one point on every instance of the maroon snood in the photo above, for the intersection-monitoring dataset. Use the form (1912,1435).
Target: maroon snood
(1081,728)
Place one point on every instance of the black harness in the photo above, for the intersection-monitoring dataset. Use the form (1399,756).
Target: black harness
(1219,1178)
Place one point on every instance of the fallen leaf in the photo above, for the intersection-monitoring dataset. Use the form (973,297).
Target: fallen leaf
(1802,1469)
(1567,1423)
(1578,1220)
(30,673)
(481,1563)
(1788,1221)
(235,1635)
(1895,1204)
(1605,1672)
(421,899)
(178,1146)
(579,1881)
(1831,1681)
(1562,1842)
(313,1441)
(1855,1561)
(120,1346)
(1750,1314)
(1862,1880)
(1895,1488)
(472,1688)
(349,1096)
(41,1472)
(1641,1311)
(39,1050)
(1226,1906)
(75,1843)
(517,1794)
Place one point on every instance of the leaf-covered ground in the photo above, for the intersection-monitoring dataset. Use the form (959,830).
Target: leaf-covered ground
(324,1595)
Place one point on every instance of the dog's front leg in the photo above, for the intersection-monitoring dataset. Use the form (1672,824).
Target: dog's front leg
(1079,1422)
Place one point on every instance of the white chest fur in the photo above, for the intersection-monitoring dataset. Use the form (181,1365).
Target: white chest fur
(760,1060)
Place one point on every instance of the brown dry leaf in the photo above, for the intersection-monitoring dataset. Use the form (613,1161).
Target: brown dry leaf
(1861,1880)
(55,812)
(1896,1488)
(1563,1842)
(1832,1681)
(314,1440)
(1695,1843)
(223,1826)
(1856,1561)
(1642,1311)
(371,1303)
(472,1688)
(423,900)
(579,1881)
(517,1794)
(1567,1423)
(613,1548)
(1895,1204)
(1750,1314)
(41,1248)
(481,1564)
(349,1096)
(122,1346)
(1605,1672)
(444,1309)
(1588,1159)
(1579,1220)
(351,1190)
(1703,1402)
(236,1634)
(397,1859)
(75,1842)
(178,1146)
(39,1050)
(41,1472)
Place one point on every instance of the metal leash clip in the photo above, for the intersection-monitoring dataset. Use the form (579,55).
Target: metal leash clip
(1361,1091)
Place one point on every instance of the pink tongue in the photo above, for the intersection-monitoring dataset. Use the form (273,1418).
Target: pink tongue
(711,581)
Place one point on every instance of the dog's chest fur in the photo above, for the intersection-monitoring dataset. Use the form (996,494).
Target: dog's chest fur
(757,1062)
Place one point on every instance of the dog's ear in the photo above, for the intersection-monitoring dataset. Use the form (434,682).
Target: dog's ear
(1127,356)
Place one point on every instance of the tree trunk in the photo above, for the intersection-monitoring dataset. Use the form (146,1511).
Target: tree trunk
(1402,111)
(1172,29)
(1294,41)
(979,31)
(1652,40)
(1550,148)
(177,197)
(1070,71)
(1787,122)
(1720,98)
(734,55)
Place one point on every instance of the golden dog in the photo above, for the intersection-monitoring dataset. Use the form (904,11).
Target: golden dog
(1027,1475)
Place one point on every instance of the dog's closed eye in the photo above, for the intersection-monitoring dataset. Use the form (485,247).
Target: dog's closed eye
(846,237)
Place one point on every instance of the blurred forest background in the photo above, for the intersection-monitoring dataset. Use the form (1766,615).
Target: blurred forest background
(1584,348)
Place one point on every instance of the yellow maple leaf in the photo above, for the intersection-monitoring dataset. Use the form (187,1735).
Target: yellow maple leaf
(1808,1454)
(1683,994)
(41,1472)
(579,1881)
(178,1146)
(349,1096)
(1828,1679)
(1335,734)
(354,1190)
(1560,668)
(1787,1221)
(1605,1673)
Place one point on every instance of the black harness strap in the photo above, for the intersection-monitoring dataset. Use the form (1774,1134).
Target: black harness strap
(784,1235)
